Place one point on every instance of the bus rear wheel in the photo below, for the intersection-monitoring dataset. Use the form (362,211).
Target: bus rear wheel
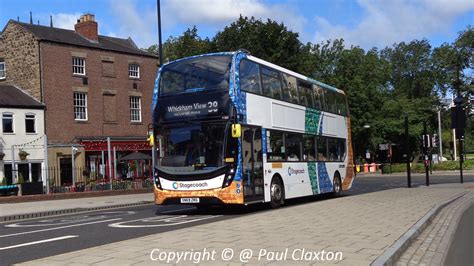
(337,186)
(276,193)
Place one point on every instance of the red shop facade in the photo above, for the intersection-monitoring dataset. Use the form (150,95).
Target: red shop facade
(98,150)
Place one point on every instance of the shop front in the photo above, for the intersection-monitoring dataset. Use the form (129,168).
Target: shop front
(119,158)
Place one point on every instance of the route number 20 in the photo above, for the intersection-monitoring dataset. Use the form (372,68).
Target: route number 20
(212,107)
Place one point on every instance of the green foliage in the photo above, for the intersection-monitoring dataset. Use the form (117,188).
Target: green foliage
(188,44)
(269,40)
(444,166)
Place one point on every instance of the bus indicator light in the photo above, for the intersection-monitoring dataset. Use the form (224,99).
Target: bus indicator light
(236,130)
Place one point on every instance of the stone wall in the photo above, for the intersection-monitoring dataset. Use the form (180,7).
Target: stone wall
(20,51)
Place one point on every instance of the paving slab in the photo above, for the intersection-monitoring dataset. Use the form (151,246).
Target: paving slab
(432,245)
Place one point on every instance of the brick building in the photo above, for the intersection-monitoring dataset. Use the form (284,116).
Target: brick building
(94,88)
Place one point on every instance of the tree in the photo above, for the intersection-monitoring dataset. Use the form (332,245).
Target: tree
(268,40)
(188,44)
(455,62)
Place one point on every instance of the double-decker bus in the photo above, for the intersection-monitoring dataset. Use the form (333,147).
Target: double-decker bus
(234,129)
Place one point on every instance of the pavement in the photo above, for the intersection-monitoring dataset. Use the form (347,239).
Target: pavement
(372,228)
(432,245)
(32,209)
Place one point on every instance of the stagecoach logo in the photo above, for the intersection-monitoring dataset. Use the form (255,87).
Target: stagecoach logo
(292,171)
(177,185)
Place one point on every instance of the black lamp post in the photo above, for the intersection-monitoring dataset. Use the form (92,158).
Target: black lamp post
(160,46)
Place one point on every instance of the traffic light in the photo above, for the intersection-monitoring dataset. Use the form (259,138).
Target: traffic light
(435,140)
(426,141)
(458,114)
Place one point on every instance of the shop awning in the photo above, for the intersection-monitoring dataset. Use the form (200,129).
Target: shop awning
(135,156)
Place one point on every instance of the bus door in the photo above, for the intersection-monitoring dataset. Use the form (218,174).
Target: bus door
(252,164)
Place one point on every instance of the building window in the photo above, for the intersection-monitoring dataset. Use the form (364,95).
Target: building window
(80,106)
(134,71)
(78,66)
(7,123)
(135,109)
(2,70)
(30,123)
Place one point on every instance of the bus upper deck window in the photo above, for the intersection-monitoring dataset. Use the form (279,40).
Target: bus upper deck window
(306,94)
(318,97)
(270,83)
(290,89)
(250,77)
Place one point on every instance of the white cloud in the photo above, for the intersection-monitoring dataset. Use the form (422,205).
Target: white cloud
(385,22)
(214,11)
(65,21)
(140,25)
(219,13)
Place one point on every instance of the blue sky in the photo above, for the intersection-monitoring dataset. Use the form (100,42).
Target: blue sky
(367,23)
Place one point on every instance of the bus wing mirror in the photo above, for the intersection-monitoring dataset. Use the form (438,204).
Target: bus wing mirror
(236,130)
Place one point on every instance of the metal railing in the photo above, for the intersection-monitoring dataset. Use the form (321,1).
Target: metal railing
(60,180)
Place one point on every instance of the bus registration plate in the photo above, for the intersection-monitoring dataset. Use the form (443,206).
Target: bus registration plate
(189,200)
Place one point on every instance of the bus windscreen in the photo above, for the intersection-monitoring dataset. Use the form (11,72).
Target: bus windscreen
(193,148)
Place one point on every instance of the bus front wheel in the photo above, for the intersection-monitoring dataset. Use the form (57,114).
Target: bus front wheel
(276,192)
(337,186)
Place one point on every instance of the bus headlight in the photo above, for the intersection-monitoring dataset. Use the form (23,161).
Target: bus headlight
(229,177)
(157,180)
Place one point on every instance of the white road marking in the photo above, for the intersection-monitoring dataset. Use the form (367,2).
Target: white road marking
(179,210)
(69,220)
(163,221)
(39,242)
(61,227)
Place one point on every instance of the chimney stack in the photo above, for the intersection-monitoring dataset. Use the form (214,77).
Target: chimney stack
(87,27)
